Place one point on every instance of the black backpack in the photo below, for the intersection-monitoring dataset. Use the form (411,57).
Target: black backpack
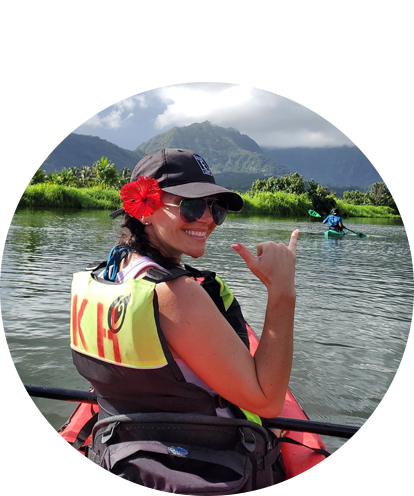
(188,454)
(179,454)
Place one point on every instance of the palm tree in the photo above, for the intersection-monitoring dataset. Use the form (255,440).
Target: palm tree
(124,177)
(66,177)
(31,154)
(106,173)
(87,176)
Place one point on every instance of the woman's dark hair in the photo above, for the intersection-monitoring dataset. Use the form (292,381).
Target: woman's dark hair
(137,240)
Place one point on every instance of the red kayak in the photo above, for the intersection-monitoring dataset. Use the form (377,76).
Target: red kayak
(307,473)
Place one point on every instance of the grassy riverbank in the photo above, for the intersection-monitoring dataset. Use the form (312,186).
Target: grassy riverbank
(282,204)
(349,210)
(279,204)
(56,196)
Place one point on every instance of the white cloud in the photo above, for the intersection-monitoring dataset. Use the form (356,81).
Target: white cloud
(128,101)
(70,108)
(187,104)
(120,113)
(339,114)
(127,104)
(141,100)
(269,119)
(273,114)
(115,120)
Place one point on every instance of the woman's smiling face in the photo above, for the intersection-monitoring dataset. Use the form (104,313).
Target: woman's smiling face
(172,236)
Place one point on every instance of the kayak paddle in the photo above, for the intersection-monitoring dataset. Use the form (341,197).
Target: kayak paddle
(323,428)
(54,393)
(359,234)
(312,213)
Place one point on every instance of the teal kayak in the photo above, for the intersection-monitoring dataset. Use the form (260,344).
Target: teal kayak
(332,234)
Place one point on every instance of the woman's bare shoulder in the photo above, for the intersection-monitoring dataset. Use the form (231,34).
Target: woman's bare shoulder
(181,291)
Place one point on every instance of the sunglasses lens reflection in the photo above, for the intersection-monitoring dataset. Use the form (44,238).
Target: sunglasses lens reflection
(192,209)
(219,212)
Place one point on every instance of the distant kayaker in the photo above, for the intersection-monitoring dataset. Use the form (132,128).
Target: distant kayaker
(334,220)
(154,336)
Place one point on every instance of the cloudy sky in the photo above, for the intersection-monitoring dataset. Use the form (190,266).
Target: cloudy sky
(273,114)
(195,61)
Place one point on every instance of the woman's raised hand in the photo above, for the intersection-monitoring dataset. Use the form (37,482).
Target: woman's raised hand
(274,264)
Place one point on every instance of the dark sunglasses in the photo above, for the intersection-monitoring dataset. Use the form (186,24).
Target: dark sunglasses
(192,209)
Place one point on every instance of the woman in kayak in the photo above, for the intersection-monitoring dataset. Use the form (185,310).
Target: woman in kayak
(184,352)
(334,220)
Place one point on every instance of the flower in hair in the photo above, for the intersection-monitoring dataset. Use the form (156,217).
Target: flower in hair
(141,197)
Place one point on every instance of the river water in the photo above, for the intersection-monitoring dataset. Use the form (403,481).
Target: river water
(353,313)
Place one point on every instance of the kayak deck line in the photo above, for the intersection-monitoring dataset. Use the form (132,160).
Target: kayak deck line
(55,393)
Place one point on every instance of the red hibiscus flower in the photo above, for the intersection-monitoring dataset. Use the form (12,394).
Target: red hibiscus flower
(142,197)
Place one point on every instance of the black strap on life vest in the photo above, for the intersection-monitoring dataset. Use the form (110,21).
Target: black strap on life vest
(207,280)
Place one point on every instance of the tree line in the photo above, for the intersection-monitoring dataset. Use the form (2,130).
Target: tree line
(378,195)
(323,200)
(102,174)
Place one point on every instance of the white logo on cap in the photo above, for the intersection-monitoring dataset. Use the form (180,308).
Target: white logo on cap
(205,169)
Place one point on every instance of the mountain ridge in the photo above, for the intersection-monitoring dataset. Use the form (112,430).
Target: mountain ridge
(77,150)
(342,166)
(224,149)
(235,159)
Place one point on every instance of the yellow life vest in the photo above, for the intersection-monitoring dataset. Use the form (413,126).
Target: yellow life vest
(115,322)
(118,323)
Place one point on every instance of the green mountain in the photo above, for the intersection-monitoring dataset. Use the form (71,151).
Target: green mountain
(341,167)
(224,149)
(235,159)
(78,150)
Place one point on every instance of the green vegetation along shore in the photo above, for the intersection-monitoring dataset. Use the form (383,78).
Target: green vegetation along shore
(56,196)
(278,204)
(282,204)
(98,186)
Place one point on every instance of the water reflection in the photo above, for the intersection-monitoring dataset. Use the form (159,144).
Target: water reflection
(354,304)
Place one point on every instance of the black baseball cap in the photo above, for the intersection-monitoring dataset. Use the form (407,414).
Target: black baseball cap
(183,173)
